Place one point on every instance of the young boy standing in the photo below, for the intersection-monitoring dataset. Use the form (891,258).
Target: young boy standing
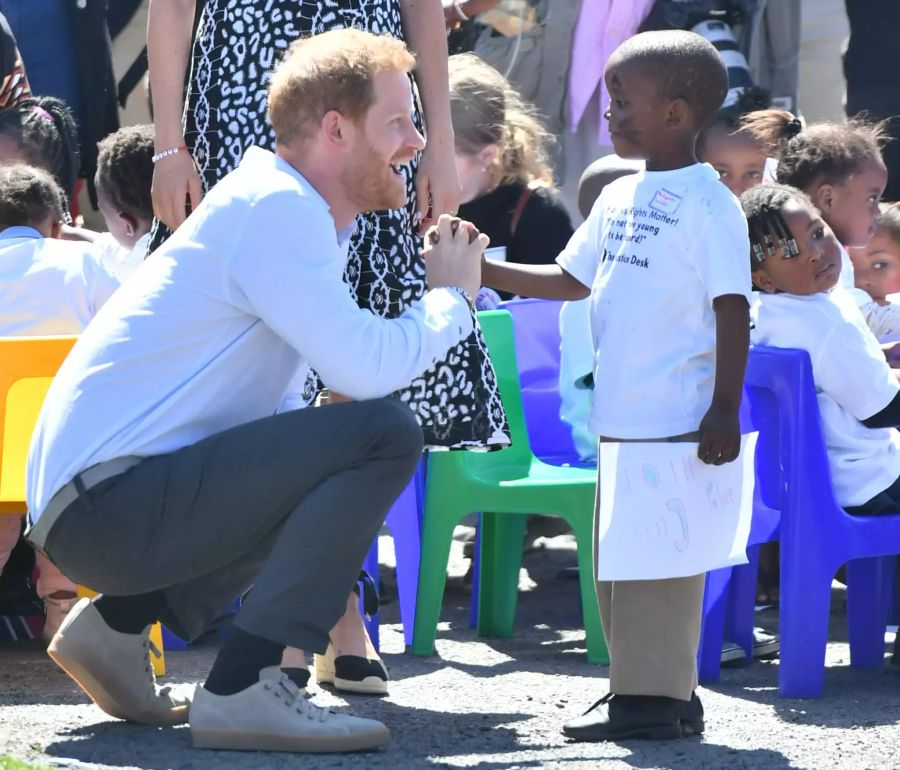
(663,256)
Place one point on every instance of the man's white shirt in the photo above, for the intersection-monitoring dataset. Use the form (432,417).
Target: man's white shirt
(210,328)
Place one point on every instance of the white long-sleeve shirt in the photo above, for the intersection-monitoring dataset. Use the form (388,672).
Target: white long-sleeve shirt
(209,330)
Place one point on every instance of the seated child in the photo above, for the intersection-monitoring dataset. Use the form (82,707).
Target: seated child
(738,156)
(576,351)
(839,165)
(47,287)
(876,268)
(795,261)
(123,180)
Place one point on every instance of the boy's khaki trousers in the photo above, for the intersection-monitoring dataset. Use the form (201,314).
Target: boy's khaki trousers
(652,630)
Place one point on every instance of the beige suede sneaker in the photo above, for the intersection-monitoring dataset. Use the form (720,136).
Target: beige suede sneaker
(114,669)
(274,715)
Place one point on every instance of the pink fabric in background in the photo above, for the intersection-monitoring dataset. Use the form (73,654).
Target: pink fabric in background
(601,27)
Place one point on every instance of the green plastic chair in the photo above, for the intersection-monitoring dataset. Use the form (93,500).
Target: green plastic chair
(505,486)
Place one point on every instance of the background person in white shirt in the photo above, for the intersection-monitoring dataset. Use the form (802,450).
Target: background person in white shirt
(47,287)
(158,473)
(663,256)
(123,179)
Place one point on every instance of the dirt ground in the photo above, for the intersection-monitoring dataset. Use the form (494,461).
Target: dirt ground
(496,704)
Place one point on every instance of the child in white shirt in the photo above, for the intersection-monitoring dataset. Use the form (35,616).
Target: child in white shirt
(47,287)
(663,257)
(796,261)
(876,269)
(123,180)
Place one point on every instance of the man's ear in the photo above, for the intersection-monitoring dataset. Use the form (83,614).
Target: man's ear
(823,198)
(335,127)
(677,112)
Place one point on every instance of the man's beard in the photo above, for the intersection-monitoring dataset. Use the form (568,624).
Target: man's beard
(369,183)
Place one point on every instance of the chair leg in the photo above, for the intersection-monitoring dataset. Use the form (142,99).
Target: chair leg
(502,537)
(437,534)
(739,616)
(805,599)
(404,522)
(712,629)
(370,565)
(595,640)
(868,588)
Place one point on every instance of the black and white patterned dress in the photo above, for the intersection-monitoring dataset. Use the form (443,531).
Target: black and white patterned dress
(237,45)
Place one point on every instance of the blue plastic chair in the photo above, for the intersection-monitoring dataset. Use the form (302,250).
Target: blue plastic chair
(404,521)
(817,535)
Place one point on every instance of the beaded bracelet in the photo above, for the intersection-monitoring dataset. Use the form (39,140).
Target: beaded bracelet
(170,151)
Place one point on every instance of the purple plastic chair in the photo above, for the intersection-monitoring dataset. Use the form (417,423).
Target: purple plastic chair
(536,326)
(404,521)
(817,535)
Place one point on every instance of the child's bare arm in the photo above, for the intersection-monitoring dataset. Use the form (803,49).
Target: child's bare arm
(720,431)
(546,281)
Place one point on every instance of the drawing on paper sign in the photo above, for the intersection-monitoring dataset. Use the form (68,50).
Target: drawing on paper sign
(665,514)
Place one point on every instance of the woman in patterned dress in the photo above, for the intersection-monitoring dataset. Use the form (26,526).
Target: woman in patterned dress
(238,43)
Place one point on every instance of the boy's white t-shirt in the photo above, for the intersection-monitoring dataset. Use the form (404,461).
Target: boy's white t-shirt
(576,360)
(49,286)
(657,248)
(853,382)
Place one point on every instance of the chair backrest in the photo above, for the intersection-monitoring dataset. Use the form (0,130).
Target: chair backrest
(497,327)
(792,464)
(536,326)
(27,367)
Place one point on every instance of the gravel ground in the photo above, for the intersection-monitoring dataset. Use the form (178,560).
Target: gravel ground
(488,703)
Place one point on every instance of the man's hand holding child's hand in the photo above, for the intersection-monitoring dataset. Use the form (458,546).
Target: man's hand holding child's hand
(720,435)
(452,253)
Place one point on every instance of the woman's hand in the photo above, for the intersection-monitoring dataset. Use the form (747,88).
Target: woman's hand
(437,184)
(175,180)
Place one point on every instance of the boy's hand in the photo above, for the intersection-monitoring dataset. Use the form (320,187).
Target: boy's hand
(720,435)
(452,253)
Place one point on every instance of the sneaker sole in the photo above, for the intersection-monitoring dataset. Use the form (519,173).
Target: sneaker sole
(231,740)
(660,733)
(106,702)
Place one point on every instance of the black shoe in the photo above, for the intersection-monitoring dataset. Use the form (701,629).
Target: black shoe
(625,717)
(765,645)
(690,715)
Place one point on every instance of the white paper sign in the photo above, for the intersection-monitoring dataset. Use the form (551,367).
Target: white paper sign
(665,514)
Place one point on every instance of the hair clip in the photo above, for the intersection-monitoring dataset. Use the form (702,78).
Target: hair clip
(758,254)
(794,127)
(42,112)
(771,250)
(789,247)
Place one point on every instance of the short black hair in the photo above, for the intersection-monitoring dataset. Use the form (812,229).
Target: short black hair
(821,153)
(683,64)
(730,119)
(599,174)
(28,195)
(43,126)
(125,170)
(763,206)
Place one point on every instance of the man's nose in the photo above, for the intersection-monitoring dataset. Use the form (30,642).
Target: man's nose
(415,140)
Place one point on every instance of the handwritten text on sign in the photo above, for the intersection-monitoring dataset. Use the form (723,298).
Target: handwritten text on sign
(665,514)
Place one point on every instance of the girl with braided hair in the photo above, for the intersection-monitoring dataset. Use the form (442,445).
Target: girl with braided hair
(41,131)
(795,263)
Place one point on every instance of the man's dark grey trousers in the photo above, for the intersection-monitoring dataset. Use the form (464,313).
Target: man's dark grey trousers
(289,504)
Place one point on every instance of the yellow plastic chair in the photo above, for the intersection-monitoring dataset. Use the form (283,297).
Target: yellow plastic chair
(27,367)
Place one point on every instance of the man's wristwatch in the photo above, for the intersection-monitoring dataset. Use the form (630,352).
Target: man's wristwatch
(470,300)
